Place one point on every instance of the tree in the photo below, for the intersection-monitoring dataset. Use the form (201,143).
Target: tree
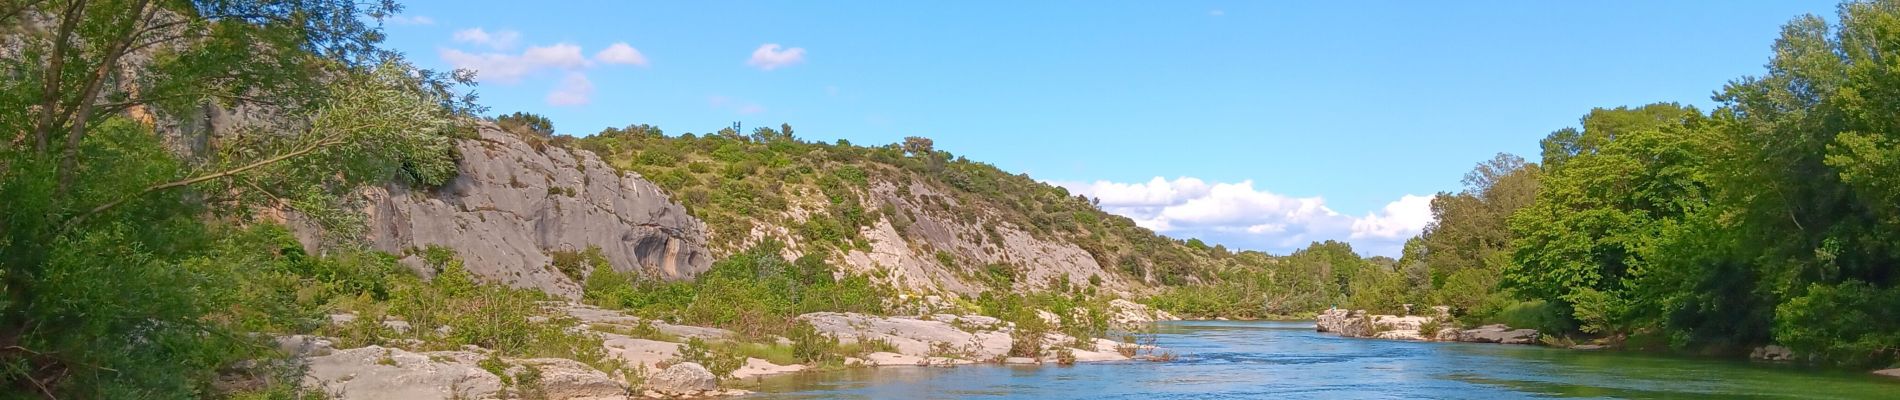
(106,295)
(1579,245)
(918,146)
(522,123)
(1457,256)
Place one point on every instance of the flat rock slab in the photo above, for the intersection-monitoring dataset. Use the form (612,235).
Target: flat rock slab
(378,373)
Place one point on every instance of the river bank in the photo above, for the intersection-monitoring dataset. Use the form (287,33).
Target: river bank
(1439,327)
(647,358)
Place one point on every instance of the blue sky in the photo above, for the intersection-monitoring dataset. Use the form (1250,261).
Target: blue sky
(1267,124)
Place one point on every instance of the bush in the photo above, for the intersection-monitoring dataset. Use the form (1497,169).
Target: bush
(811,346)
(716,360)
(1536,314)
(1851,323)
(577,264)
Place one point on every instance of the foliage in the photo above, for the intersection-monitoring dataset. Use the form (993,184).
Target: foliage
(718,360)
(755,293)
(1769,219)
(526,124)
(811,346)
(577,264)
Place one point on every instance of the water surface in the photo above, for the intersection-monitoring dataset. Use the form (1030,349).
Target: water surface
(1222,360)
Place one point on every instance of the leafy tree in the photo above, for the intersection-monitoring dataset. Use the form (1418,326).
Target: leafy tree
(522,123)
(919,146)
(1580,244)
(107,287)
(1470,230)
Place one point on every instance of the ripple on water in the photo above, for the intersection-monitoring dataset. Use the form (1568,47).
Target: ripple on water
(1221,360)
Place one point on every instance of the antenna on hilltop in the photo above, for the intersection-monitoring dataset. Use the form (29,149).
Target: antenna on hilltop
(735,127)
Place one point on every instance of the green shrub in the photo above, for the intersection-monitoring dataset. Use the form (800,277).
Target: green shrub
(719,361)
(1851,323)
(811,346)
(1537,314)
(577,264)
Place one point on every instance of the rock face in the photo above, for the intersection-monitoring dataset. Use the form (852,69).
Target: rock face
(909,254)
(1129,315)
(514,203)
(683,379)
(1344,323)
(1498,334)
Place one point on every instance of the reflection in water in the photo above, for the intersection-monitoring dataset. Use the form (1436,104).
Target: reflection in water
(1280,359)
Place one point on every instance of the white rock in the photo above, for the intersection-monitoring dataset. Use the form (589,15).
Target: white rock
(377,373)
(683,379)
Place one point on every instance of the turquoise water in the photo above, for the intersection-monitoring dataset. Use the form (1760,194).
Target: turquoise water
(1222,360)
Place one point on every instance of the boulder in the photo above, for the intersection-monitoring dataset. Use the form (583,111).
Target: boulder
(1772,353)
(1126,314)
(1051,319)
(1344,323)
(683,379)
(568,379)
(1447,335)
(1498,333)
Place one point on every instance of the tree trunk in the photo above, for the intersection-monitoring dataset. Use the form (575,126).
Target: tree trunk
(49,89)
(69,159)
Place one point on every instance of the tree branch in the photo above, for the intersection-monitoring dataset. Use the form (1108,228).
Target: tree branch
(69,160)
(55,71)
(15,12)
(307,149)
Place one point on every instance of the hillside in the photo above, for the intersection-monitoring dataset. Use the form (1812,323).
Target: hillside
(933,221)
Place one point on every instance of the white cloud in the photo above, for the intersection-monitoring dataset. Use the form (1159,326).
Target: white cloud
(499,40)
(1238,215)
(411,20)
(770,56)
(1400,219)
(621,53)
(573,91)
(510,68)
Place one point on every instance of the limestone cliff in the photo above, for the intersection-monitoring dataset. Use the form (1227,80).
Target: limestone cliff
(516,202)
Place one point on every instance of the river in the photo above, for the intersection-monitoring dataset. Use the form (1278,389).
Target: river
(1221,360)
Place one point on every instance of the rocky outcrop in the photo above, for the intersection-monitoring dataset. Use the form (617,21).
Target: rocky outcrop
(1344,323)
(683,380)
(376,373)
(1498,333)
(945,339)
(907,251)
(514,203)
(1358,323)
(1124,314)
(1890,372)
(1772,353)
